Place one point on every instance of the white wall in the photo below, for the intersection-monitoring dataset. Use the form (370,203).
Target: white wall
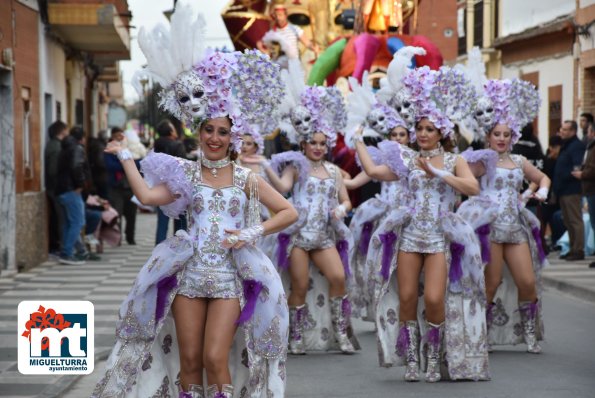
(516,16)
(52,61)
(585,3)
(552,72)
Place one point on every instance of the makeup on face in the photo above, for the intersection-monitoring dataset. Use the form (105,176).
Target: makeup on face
(215,138)
(427,135)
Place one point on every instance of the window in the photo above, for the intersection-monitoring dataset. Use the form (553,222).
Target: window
(58,110)
(78,112)
(461,28)
(478,24)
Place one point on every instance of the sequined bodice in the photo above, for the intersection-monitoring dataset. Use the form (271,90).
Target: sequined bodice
(317,196)
(431,197)
(503,188)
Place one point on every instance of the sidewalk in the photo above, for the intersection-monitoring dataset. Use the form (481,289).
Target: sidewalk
(105,283)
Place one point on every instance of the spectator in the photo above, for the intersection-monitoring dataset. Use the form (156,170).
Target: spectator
(550,210)
(568,188)
(120,194)
(74,175)
(168,143)
(587,177)
(585,120)
(57,132)
(95,148)
(529,146)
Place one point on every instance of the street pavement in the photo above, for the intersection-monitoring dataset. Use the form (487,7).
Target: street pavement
(564,369)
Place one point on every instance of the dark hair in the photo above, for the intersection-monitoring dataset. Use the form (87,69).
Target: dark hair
(573,125)
(56,128)
(233,155)
(165,128)
(527,133)
(116,130)
(555,140)
(77,132)
(447,142)
(588,116)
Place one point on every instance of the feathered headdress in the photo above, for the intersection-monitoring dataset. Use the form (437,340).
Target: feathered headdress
(364,110)
(307,110)
(442,96)
(201,84)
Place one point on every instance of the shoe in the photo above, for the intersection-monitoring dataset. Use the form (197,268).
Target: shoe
(194,391)
(575,257)
(341,321)
(408,349)
(434,338)
(563,256)
(528,311)
(296,329)
(93,257)
(226,391)
(71,260)
(592,265)
(131,242)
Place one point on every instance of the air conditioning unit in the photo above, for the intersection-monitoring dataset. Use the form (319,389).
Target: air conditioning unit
(8,58)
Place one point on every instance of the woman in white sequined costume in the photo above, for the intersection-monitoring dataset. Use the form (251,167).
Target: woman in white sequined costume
(251,156)
(510,232)
(204,284)
(379,121)
(437,253)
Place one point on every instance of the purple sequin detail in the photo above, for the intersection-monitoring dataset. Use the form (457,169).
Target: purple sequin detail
(252,289)
(388,240)
(282,258)
(184,394)
(455,273)
(219,395)
(346,308)
(403,341)
(343,249)
(433,336)
(164,286)
(490,313)
(530,309)
(537,236)
(483,233)
(364,242)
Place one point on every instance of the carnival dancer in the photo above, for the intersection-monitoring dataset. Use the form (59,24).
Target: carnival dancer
(181,316)
(432,243)
(514,311)
(381,122)
(316,249)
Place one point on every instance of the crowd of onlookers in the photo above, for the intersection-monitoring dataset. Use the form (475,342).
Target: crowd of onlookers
(89,196)
(569,162)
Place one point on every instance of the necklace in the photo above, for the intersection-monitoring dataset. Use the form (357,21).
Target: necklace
(315,165)
(503,157)
(431,153)
(215,164)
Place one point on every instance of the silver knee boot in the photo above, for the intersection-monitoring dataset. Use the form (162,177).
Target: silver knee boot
(408,348)
(434,339)
(341,319)
(194,391)
(296,329)
(226,391)
(528,312)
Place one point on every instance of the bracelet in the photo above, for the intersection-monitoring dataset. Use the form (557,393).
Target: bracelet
(251,235)
(124,154)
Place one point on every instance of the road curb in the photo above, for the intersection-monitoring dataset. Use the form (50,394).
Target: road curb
(63,384)
(571,289)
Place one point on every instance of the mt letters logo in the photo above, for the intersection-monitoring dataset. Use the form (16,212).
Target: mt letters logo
(56,337)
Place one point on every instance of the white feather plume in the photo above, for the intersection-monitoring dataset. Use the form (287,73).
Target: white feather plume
(360,102)
(476,70)
(396,70)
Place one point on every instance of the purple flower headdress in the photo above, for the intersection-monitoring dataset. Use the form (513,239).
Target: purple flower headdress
(201,84)
(308,110)
(364,110)
(442,96)
(516,103)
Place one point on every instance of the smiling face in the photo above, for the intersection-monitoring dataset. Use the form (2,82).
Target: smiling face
(215,138)
(499,138)
(190,94)
(316,148)
(400,135)
(249,147)
(427,135)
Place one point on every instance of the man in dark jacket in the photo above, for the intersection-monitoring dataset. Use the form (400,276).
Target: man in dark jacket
(529,147)
(57,132)
(95,150)
(568,188)
(74,176)
(587,177)
(120,193)
(168,143)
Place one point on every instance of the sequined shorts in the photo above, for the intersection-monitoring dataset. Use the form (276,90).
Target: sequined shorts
(415,241)
(198,282)
(507,233)
(312,240)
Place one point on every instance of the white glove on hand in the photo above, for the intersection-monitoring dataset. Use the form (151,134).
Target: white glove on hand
(124,154)
(438,172)
(541,193)
(251,235)
(525,196)
(340,212)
